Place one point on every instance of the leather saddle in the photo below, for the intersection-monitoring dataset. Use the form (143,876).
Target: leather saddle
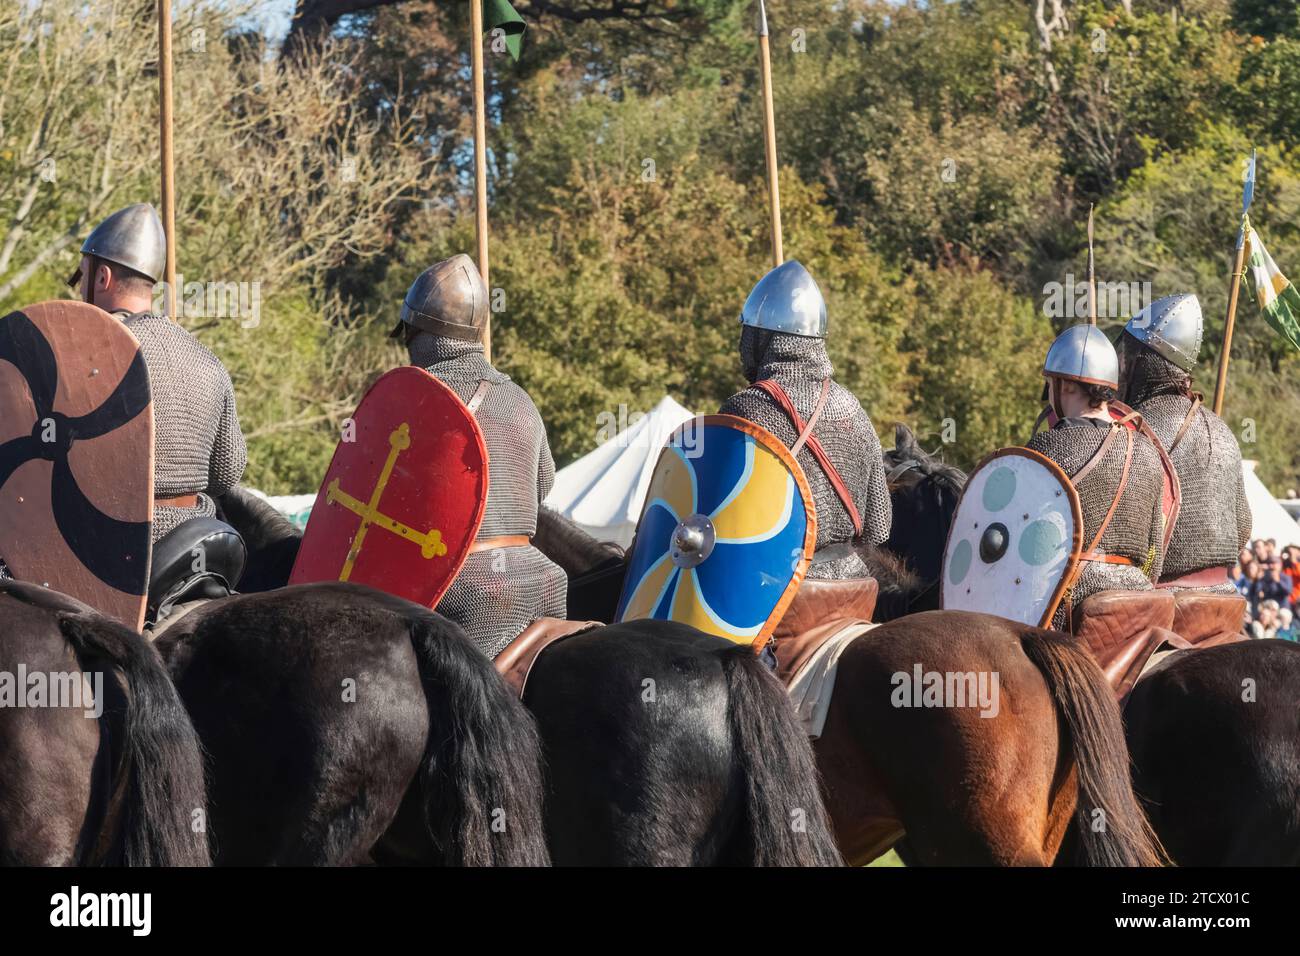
(1206,620)
(1122,629)
(516,660)
(201,559)
(819,611)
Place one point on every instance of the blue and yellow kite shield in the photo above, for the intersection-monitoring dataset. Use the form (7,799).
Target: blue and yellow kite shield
(726,534)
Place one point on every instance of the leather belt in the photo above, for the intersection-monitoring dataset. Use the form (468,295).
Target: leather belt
(1199,579)
(180,501)
(501,541)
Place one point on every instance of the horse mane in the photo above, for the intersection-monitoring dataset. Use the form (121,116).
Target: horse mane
(562,540)
(891,571)
(255,518)
(907,453)
(272,539)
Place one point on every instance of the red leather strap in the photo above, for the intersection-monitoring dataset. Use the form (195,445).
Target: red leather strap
(804,430)
(1108,558)
(1119,491)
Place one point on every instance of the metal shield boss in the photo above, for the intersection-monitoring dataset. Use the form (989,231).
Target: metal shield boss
(726,533)
(76,456)
(404,496)
(1015,539)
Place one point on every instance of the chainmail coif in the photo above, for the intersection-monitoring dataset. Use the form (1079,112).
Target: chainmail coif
(1137,529)
(501,591)
(1214,518)
(800,365)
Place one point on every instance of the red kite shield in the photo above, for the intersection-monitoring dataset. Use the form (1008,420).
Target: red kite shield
(76,456)
(405,493)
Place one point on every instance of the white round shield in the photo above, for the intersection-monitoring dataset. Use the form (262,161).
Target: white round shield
(1015,539)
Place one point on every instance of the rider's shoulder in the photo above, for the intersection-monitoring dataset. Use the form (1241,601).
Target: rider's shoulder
(151,328)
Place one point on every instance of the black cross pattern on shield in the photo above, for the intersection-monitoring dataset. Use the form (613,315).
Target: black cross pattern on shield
(83,526)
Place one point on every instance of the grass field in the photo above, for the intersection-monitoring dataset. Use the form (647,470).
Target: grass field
(889,859)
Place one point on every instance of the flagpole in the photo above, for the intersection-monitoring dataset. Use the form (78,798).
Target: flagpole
(769,127)
(1238,269)
(168,161)
(480,158)
(1092,275)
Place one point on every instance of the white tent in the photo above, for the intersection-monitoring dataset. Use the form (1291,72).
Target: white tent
(603,490)
(1268,518)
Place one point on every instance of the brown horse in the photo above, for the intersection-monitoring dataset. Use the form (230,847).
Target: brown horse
(123,788)
(1212,732)
(963,787)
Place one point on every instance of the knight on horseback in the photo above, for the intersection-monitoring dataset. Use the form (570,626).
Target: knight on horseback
(199,450)
(793,394)
(505,583)
(1159,349)
(1116,470)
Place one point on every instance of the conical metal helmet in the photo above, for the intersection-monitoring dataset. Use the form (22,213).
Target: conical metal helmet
(448,299)
(131,237)
(787,300)
(1082,353)
(1172,328)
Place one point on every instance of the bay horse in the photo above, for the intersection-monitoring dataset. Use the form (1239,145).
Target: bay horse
(1212,732)
(124,788)
(662,745)
(962,788)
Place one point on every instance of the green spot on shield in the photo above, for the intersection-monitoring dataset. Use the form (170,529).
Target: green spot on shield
(999,489)
(960,562)
(1040,542)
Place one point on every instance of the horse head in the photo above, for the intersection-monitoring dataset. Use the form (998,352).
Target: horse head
(923,491)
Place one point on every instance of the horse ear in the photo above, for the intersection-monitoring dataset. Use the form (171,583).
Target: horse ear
(904,441)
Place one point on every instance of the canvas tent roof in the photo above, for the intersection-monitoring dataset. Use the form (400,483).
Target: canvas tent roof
(1268,518)
(603,490)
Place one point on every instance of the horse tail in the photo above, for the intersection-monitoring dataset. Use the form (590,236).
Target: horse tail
(786,823)
(158,781)
(1087,705)
(482,765)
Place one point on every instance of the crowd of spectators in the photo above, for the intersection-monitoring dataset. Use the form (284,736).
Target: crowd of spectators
(1269,580)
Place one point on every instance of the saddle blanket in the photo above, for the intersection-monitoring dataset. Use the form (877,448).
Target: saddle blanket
(811,688)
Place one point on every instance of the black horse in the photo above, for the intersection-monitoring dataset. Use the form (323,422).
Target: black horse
(663,745)
(343,726)
(1215,739)
(125,788)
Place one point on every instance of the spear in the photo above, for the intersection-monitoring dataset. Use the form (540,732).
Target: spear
(480,158)
(769,127)
(1238,270)
(168,161)
(1092,275)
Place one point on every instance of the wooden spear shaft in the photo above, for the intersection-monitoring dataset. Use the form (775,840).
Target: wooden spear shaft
(168,161)
(1238,268)
(480,159)
(1092,275)
(769,126)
